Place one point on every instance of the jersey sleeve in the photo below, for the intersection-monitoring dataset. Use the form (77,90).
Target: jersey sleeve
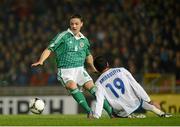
(55,42)
(141,93)
(99,102)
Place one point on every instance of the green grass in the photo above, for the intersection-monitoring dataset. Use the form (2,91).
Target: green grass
(77,120)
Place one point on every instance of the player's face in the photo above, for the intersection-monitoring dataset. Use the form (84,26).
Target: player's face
(75,25)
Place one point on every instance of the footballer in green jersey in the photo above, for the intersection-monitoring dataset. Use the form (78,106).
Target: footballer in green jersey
(71,50)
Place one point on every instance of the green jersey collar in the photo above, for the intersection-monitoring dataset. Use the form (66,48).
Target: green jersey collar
(81,35)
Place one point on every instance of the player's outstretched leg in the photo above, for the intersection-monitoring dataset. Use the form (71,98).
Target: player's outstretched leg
(151,107)
(106,105)
(80,99)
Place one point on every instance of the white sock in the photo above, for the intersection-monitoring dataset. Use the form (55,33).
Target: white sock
(152,108)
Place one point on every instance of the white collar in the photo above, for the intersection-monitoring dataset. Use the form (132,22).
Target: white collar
(81,35)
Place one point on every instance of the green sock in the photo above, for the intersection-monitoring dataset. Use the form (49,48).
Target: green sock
(106,105)
(80,99)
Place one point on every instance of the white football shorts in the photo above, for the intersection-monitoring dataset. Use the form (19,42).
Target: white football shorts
(77,74)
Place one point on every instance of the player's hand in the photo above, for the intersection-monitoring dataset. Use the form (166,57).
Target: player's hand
(36,64)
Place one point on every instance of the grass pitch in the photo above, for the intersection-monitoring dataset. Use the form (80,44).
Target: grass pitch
(81,120)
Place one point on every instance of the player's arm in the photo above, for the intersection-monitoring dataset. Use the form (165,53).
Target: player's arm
(43,57)
(54,43)
(89,61)
(137,87)
(99,102)
(139,90)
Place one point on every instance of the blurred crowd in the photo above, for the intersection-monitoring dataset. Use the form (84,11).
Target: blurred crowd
(141,35)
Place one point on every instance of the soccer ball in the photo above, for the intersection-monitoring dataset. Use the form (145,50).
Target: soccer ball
(36,105)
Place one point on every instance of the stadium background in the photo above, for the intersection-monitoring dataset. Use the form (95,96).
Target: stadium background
(141,35)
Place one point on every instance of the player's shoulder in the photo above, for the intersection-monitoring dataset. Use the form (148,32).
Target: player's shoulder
(121,69)
(124,70)
(62,34)
(86,39)
(66,33)
(97,82)
(118,68)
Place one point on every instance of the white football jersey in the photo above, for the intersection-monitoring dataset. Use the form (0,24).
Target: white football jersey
(121,90)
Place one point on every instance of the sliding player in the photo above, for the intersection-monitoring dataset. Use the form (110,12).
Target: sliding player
(122,91)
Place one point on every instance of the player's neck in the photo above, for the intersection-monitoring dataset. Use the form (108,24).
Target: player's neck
(77,34)
(105,70)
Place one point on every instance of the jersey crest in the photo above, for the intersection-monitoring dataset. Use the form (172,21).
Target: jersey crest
(81,44)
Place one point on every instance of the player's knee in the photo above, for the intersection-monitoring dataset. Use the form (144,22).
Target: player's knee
(89,85)
(71,85)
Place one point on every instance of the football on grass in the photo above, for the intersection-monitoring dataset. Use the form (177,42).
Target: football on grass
(36,105)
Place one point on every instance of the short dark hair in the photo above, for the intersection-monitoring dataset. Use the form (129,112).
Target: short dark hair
(77,16)
(100,63)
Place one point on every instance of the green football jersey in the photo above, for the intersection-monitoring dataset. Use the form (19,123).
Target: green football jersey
(69,50)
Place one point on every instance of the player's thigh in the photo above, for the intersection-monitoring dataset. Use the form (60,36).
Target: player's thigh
(83,78)
(67,78)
